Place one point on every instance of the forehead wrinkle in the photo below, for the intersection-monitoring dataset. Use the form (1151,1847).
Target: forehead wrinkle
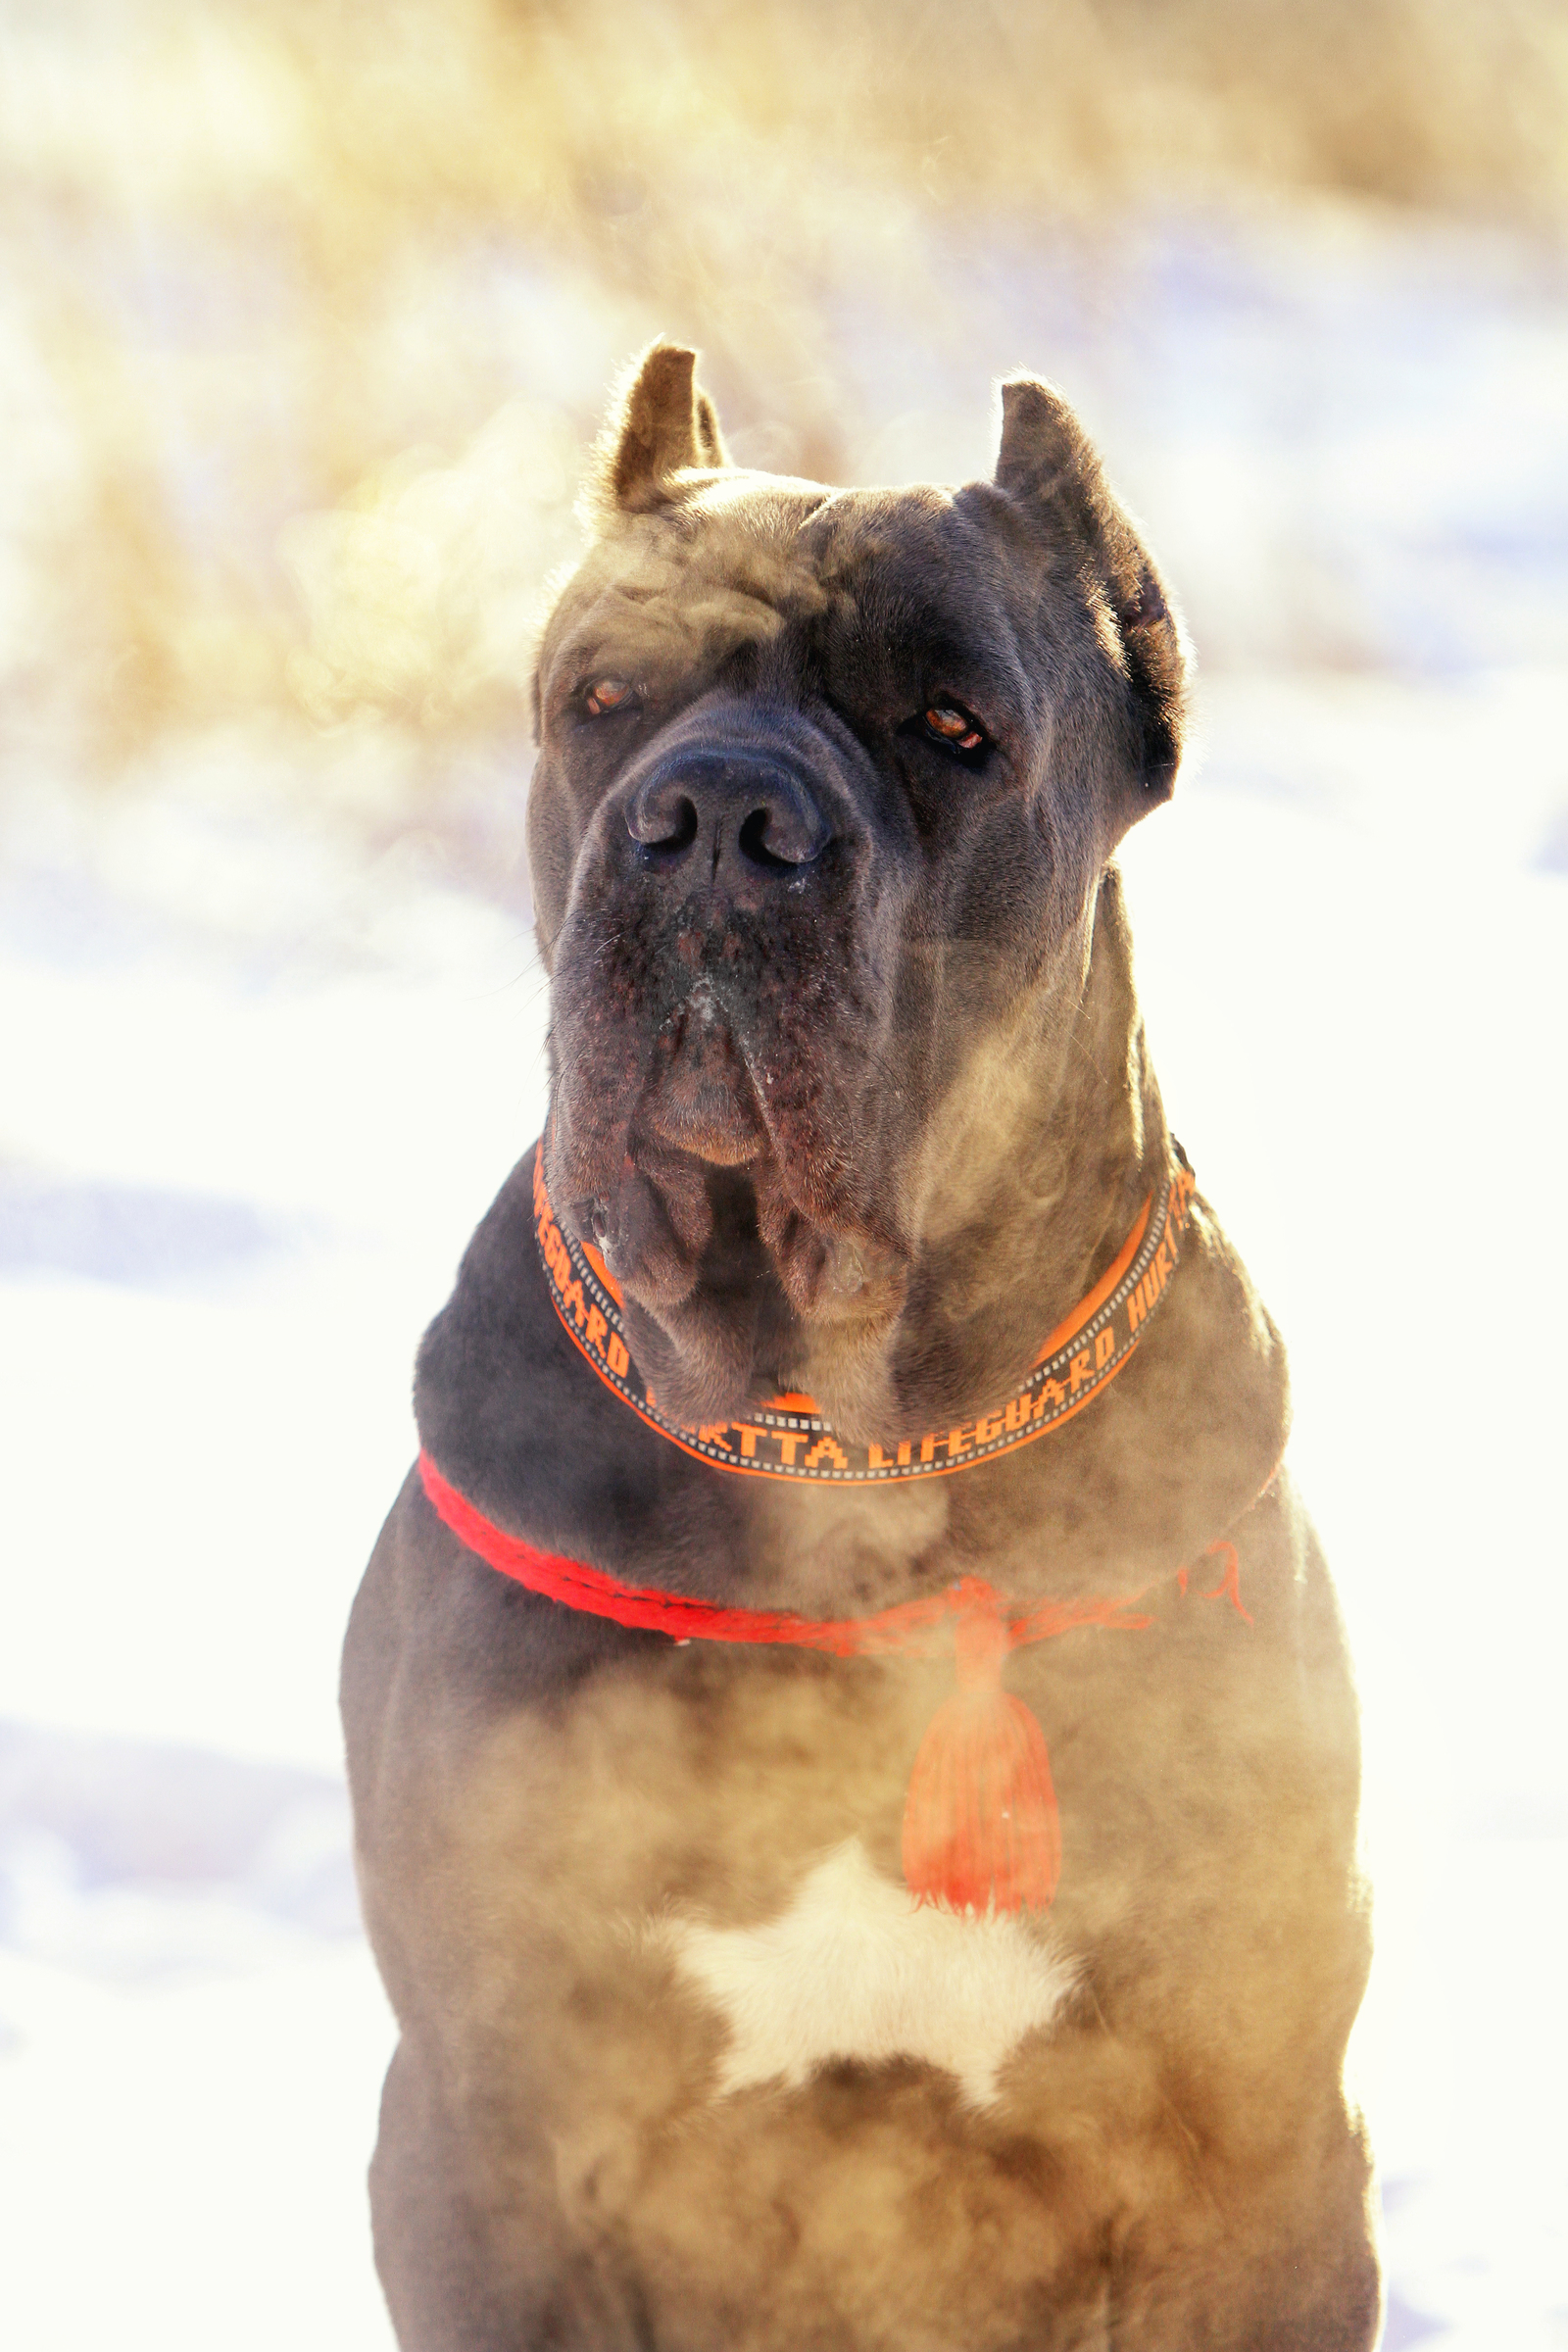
(845,520)
(682,597)
(752,552)
(737,485)
(766,517)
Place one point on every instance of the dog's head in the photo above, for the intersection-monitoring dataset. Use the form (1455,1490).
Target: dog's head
(827,784)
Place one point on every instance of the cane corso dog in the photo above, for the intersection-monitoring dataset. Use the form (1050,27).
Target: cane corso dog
(854,1756)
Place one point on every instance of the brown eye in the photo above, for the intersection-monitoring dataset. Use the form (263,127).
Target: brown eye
(950,724)
(609,694)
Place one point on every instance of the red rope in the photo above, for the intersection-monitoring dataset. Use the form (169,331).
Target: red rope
(914,1628)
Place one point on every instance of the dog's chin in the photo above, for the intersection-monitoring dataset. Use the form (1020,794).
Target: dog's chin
(743,1269)
(700,1099)
(817,1315)
(732,1290)
(711,1357)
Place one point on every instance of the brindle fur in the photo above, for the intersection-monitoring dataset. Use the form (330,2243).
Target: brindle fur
(865,1118)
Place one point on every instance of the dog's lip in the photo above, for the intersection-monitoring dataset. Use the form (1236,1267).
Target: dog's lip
(710,1125)
(701,1099)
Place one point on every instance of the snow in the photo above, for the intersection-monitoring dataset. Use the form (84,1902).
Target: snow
(226,1212)
(187,2168)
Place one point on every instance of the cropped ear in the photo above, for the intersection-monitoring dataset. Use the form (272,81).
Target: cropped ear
(662,426)
(709,439)
(1048,466)
(1045,450)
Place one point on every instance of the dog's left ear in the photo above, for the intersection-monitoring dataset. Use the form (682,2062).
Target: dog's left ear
(1047,465)
(663,424)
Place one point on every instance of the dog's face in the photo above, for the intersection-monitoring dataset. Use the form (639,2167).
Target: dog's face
(827,782)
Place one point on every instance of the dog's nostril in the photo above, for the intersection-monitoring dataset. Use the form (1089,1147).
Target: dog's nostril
(754,845)
(663,824)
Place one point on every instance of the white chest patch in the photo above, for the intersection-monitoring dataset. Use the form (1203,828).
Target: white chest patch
(855,1969)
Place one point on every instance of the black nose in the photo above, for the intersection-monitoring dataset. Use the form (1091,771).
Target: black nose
(745,804)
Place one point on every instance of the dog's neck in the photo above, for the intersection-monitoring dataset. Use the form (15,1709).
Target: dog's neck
(1029,1177)
(1036,1172)
(1032,1173)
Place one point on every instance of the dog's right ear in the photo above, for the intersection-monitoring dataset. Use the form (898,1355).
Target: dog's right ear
(662,426)
(1048,468)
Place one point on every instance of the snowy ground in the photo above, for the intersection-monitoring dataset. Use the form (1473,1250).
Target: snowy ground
(227,1210)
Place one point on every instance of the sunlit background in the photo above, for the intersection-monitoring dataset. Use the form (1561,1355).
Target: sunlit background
(308,315)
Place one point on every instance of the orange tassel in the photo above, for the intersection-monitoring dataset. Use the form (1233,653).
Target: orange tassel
(980,1824)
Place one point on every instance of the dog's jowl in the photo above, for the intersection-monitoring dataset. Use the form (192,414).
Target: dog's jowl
(854,1758)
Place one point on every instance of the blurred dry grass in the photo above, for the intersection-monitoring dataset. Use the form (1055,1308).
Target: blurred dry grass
(311,302)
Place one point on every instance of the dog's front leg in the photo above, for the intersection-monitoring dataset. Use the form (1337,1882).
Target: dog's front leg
(474,2252)
(472,2242)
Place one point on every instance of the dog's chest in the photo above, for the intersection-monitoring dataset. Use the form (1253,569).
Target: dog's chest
(855,1969)
(738,1820)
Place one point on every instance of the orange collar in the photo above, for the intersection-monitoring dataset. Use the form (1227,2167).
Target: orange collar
(788,1438)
